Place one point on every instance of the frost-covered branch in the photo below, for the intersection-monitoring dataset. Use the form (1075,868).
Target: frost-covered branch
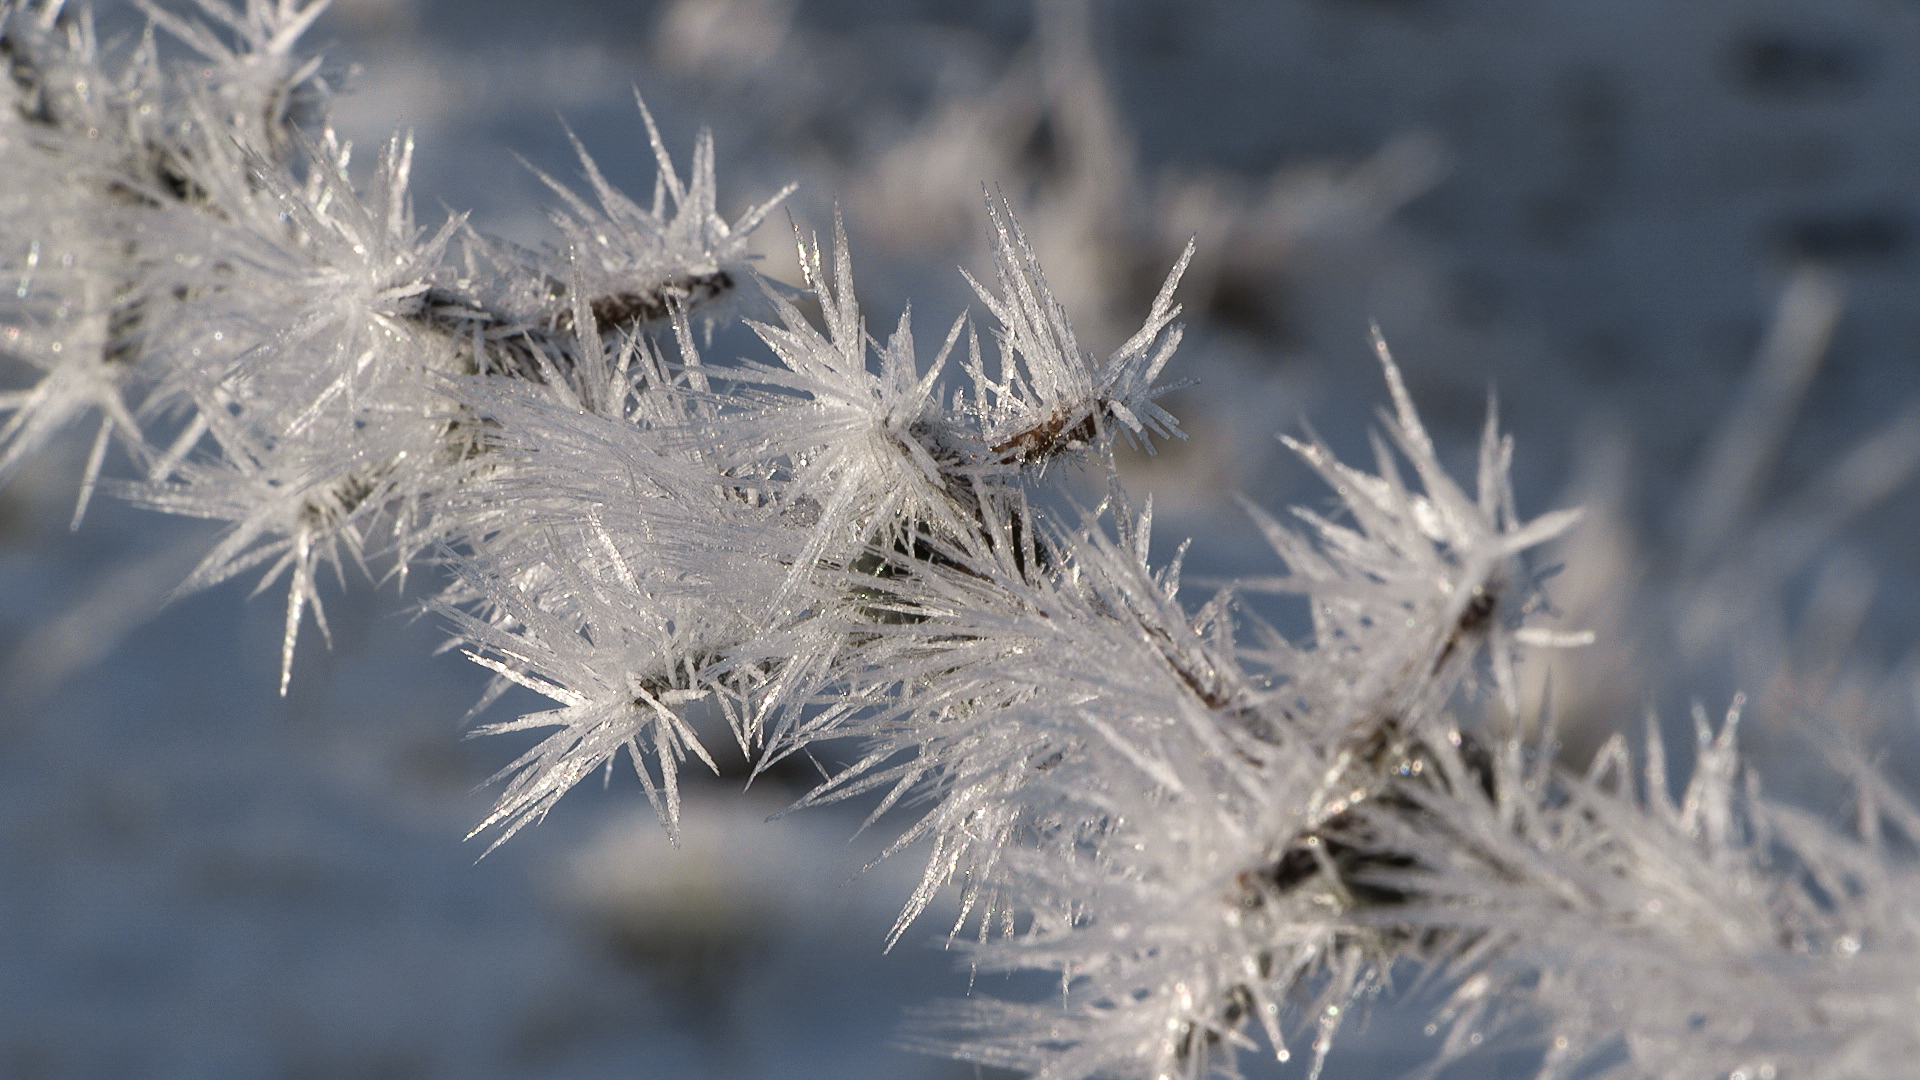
(1211,832)
(1639,931)
(268,340)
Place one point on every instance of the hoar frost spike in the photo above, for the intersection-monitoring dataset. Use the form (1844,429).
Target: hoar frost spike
(1052,395)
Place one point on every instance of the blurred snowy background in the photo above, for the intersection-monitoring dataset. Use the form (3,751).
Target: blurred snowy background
(1681,240)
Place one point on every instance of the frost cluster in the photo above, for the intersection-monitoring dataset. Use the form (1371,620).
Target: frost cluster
(1211,833)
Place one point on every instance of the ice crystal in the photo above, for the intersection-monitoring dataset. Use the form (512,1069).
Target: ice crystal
(612,572)
(1053,396)
(871,448)
(636,264)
